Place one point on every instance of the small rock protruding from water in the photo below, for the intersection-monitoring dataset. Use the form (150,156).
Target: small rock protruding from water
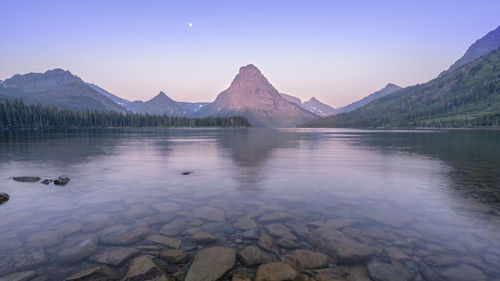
(27,179)
(46,181)
(61,180)
(4,197)
(185,173)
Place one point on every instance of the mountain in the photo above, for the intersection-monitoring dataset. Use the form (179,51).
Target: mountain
(252,96)
(463,97)
(481,47)
(123,102)
(315,106)
(388,89)
(160,104)
(293,99)
(191,108)
(58,88)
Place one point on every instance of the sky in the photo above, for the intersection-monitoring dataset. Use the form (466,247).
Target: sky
(336,51)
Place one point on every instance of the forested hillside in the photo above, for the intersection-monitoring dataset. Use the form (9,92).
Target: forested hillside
(466,97)
(17,115)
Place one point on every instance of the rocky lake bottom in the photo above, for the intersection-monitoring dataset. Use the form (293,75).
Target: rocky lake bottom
(251,204)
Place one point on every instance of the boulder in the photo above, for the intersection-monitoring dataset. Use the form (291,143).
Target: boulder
(175,256)
(252,256)
(61,180)
(123,234)
(379,271)
(115,256)
(143,268)
(339,246)
(203,238)
(101,273)
(27,179)
(211,264)
(4,197)
(305,259)
(78,251)
(276,271)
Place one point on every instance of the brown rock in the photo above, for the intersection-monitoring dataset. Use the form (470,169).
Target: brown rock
(463,272)
(211,264)
(305,259)
(123,234)
(83,248)
(209,214)
(173,228)
(165,240)
(396,253)
(339,246)
(266,242)
(174,256)
(45,239)
(240,277)
(203,238)
(143,268)
(276,271)
(278,229)
(114,256)
(101,273)
(245,223)
(274,217)
(252,256)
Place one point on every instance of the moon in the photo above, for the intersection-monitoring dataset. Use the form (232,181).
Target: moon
(190,24)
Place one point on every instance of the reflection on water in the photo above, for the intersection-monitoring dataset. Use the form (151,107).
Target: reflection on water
(423,205)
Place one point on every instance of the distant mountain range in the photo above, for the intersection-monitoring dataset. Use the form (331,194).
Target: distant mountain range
(57,88)
(252,96)
(312,105)
(163,105)
(388,89)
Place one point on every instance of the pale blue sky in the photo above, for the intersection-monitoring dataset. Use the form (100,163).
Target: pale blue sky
(337,51)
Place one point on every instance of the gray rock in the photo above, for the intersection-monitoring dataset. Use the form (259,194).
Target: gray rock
(4,197)
(441,260)
(396,253)
(252,256)
(339,246)
(278,229)
(266,242)
(123,234)
(173,228)
(276,271)
(115,256)
(211,264)
(80,250)
(274,217)
(143,268)
(98,273)
(463,272)
(165,240)
(174,256)
(245,223)
(61,180)
(209,214)
(386,272)
(27,179)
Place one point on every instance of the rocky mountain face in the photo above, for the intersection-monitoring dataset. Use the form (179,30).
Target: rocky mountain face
(313,105)
(388,89)
(160,104)
(481,47)
(252,96)
(123,102)
(321,109)
(57,88)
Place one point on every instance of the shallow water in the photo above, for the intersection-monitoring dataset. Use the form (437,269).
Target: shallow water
(432,194)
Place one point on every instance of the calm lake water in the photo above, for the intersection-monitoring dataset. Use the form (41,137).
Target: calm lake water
(426,203)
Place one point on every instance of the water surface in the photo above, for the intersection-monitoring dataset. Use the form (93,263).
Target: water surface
(431,194)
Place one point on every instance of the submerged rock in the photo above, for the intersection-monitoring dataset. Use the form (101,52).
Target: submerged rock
(305,259)
(339,246)
(45,238)
(203,238)
(28,258)
(19,276)
(4,197)
(266,242)
(61,180)
(209,214)
(252,256)
(173,228)
(175,256)
(143,268)
(211,264)
(463,272)
(96,273)
(274,217)
(114,255)
(27,179)
(245,223)
(165,240)
(123,234)
(81,250)
(276,271)
(386,272)
(46,181)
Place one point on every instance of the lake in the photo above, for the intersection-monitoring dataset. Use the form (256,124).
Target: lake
(414,205)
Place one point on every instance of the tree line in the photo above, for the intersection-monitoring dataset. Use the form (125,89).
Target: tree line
(18,115)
